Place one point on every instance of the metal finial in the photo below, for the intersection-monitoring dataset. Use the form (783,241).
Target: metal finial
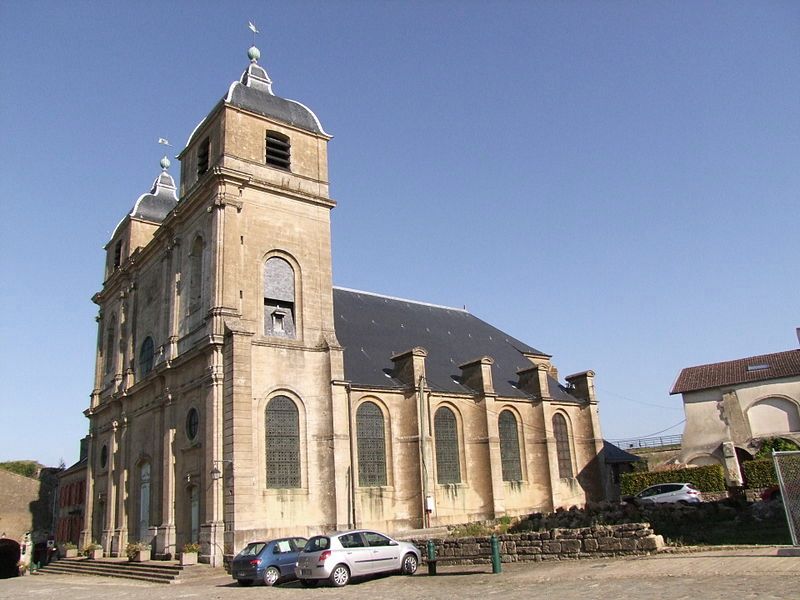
(253,54)
(165,163)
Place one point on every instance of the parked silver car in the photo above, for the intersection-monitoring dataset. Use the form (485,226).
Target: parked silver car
(339,556)
(682,493)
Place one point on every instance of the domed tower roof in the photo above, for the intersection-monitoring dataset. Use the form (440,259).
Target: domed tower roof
(157,204)
(160,201)
(253,92)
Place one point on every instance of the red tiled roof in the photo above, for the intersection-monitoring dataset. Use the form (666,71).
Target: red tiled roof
(702,377)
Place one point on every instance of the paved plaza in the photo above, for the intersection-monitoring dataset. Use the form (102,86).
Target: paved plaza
(739,573)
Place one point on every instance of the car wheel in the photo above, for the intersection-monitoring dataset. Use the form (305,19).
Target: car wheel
(244,582)
(339,576)
(271,576)
(410,564)
(309,582)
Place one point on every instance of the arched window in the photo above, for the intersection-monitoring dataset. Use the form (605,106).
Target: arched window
(146,356)
(283,444)
(561,433)
(196,274)
(111,335)
(279,298)
(448,467)
(773,415)
(509,447)
(370,432)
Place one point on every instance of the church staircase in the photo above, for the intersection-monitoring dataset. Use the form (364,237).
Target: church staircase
(154,571)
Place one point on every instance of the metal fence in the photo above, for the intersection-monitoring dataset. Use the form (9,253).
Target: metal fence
(648,442)
(787,468)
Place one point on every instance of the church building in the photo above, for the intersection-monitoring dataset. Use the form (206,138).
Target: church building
(238,395)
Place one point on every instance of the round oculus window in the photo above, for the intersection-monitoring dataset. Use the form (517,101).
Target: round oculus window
(192,424)
(103,456)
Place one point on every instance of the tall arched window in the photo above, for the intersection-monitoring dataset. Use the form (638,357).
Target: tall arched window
(561,433)
(283,444)
(196,274)
(448,466)
(146,356)
(279,298)
(370,432)
(509,447)
(111,335)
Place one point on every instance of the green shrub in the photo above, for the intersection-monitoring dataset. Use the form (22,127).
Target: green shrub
(26,468)
(769,445)
(759,473)
(709,478)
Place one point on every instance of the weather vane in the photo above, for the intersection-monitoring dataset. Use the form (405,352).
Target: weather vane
(164,161)
(254,29)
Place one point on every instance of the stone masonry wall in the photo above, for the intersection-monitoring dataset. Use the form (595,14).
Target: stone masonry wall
(556,544)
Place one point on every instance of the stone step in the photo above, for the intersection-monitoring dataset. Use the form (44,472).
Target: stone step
(152,571)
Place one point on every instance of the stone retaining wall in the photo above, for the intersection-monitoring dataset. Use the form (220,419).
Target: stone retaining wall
(556,544)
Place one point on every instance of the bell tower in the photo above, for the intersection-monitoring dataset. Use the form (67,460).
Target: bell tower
(258,285)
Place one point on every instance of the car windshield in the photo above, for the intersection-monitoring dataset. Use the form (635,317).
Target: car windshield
(252,549)
(317,543)
(690,486)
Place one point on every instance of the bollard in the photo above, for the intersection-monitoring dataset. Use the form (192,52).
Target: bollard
(496,568)
(431,558)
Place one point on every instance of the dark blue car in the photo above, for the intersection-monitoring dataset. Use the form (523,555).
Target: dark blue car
(269,562)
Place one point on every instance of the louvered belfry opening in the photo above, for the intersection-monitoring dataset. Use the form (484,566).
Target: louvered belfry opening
(278,150)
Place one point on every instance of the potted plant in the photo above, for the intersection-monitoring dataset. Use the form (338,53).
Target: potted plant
(93,550)
(189,554)
(138,551)
(69,550)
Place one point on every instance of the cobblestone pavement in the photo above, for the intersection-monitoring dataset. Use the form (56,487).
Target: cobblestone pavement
(720,574)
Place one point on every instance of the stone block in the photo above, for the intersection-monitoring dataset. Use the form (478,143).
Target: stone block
(570,546)
(628,544)
(590,545)
(651,543)
(551,547)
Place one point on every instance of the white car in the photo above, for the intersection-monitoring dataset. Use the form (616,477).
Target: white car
(664,493)
(339,556)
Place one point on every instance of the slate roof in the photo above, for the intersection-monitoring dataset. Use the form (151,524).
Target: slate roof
(373,328)
(159,202)
(733,372)
(253,92)
(155,205)
(614,454)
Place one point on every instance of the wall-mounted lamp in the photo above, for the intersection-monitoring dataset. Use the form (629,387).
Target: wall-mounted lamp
(215,472)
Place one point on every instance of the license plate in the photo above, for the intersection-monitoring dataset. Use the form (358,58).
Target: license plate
(242,574)
(306,572)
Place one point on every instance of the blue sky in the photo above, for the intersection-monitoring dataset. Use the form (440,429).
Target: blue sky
(615,183)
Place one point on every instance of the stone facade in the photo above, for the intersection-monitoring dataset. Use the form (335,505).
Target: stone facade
(222,409)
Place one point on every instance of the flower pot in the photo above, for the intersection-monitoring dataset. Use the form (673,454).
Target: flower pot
(95,554)
(70,553)
(139,556)
(188,558)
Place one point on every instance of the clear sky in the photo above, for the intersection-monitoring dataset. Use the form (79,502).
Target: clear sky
(614,183)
